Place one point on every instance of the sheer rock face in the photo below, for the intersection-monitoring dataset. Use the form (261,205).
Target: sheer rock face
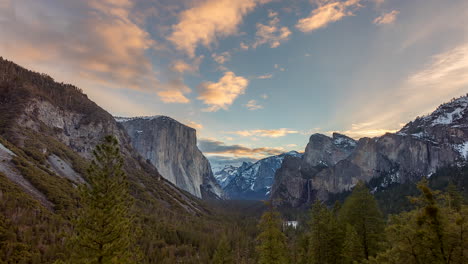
(172,148)
(416,151)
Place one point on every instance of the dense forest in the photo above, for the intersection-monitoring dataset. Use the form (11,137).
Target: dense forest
(101,223)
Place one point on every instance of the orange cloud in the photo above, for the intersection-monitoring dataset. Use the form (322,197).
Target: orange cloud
(253,105)
(387,18)
(266,76)
(174,92)
(272,133)
(209,20)
(326,13)
(221,58)
(194,125)
(214,147)
(273,34)
(221,95)
(181,66)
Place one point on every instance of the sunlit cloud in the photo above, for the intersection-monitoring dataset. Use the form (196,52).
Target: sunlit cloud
(175,92)
(221,58)
(244,46)
(266,76)
(387,18)
(180,66)
(271,133)
(214,147)
(221,95)
(99,41)
(253,105)
(194,125)
(278,67)
(361,130)
(264,96)
(209,20)
(327,12)
(272,34)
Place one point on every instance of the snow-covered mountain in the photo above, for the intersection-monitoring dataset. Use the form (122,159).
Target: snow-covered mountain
(251,181)
(418,150)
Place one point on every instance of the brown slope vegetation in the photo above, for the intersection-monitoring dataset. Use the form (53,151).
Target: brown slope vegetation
(40,118)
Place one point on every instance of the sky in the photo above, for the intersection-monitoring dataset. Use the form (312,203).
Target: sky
(254,77)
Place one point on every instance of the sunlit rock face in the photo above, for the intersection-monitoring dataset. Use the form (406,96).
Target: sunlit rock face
(172,148)
(331,165)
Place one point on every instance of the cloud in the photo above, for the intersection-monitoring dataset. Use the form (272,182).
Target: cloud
(253,105)
(271,34)
(387,18)
(90,39)
(194,125)
(214,147)
(365,130)
(264,96)
(244,46)
(272,133)
(327,12)
(209,20)
(221,58)
(276,66)
(444,76)
(174,92)
(180,66)
(266,76)
(221,95)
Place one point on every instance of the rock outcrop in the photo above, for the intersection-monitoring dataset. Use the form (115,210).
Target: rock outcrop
(172,148)
(416,151)
(254,181)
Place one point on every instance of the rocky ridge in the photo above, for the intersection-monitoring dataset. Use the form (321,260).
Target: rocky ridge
(418,150)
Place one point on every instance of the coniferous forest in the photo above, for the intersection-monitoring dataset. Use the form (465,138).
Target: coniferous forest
(233,131)
(103,225)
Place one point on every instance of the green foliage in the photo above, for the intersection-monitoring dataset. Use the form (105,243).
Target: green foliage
(272,241)
(435,232)
(104,231)
(325,235)
(223,254)
(360,210)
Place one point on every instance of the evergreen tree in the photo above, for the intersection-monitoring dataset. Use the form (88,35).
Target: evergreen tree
(104,231)
(272,241)
(223,254)
(433,233)
(325,236)
(361,211)
(352,248)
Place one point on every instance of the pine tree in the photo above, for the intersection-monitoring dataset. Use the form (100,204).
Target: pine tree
(272,241)
(352,248)
(325,236)
(223,254)
(361,211)
(104,231)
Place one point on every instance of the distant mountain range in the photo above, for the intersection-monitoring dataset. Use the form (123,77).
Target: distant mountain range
(251,181)
(421,148)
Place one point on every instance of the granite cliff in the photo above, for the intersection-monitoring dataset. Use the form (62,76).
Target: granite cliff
(172,148)
(418,150)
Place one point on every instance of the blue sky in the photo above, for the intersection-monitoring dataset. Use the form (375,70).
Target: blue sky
(254,77)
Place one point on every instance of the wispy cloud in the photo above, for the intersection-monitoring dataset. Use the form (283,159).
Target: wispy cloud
(174,91)
(253,105)
(272,33)
(180,66)
(272,133)
(266,76)
(221,95)
(214,147)
(327,12)
(387,18)
(209,20)
(221,58)
(194,125)
(99,41)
